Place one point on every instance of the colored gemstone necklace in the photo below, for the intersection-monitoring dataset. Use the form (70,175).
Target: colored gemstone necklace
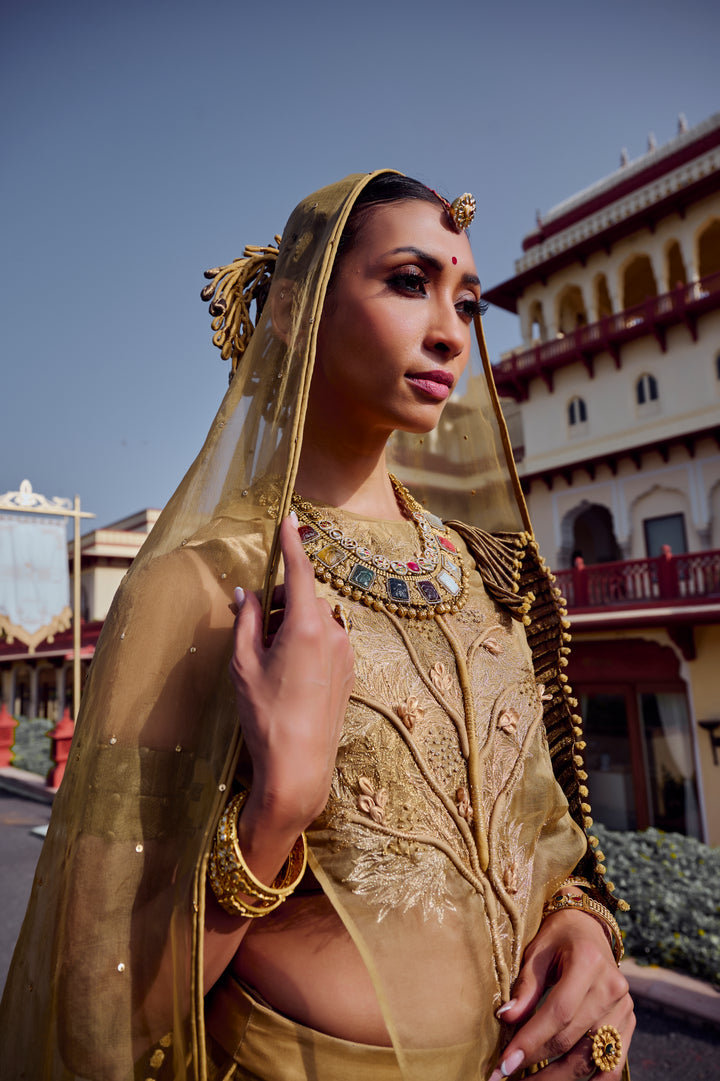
(430,583)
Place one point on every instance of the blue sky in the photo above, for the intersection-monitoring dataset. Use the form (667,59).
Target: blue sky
(145,141)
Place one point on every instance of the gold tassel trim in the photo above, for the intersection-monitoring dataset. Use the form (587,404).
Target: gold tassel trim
(499,560)
(516,576)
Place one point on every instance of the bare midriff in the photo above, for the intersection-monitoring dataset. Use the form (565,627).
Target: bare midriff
(303,963)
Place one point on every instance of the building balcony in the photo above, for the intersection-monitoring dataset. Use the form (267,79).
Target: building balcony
(685,304)
(675,591)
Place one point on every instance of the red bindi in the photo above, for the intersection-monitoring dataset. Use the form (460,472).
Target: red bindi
(454,261)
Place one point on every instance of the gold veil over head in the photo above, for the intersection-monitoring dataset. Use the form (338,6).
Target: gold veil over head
(110,956)
(464,469)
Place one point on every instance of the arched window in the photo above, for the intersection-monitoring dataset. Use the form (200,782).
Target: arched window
(676,274)
(709,249)
(577,411)
(594,534)
(638,281)
(571,312)
(537,322)
(646,389)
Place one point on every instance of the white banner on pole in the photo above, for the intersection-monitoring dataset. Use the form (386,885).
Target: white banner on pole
(34,578)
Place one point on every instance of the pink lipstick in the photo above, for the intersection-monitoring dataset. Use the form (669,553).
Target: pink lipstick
(436,384)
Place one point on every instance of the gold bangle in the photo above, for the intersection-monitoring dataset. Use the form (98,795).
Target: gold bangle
(229,875)
(587,887)
(576,880)
(593,908)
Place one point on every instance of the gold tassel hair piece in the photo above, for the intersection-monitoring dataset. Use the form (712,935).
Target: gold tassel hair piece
(231,290)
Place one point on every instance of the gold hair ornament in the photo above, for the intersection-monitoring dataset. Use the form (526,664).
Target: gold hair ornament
(462,210)
(229,875)
(606,1048)
(231,290)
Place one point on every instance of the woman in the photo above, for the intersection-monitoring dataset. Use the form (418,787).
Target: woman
(394,714)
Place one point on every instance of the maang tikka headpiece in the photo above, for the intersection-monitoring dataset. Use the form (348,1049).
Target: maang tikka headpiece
(462,210)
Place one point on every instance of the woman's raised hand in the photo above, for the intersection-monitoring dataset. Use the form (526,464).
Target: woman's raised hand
(570,957)
(291,695)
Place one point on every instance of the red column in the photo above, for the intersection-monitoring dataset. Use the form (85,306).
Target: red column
(7,736)
(61,737)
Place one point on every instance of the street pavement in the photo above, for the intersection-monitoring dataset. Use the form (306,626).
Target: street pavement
(674,1039)
(19,850)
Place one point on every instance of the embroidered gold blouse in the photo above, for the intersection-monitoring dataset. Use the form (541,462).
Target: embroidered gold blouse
(445,830)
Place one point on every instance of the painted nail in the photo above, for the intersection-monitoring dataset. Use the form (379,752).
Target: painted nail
(294,518)
(512,1063)
(239,596)
(508,1006)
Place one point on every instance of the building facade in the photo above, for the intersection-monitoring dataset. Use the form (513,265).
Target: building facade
(617,382)
(39,683)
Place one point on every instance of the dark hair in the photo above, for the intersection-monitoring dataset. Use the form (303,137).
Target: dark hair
(386,188)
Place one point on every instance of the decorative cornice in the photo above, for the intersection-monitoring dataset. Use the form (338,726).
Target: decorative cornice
(620,210)
(633,452)
(653,160)
(25,499)
(12,631)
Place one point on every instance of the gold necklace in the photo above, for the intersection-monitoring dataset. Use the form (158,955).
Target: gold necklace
(430,583)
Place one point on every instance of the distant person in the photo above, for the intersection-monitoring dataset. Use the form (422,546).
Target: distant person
(670,580)
(401,722)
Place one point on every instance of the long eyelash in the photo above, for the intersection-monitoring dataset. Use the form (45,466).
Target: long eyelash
(408,279)
(475,307)
(405,277)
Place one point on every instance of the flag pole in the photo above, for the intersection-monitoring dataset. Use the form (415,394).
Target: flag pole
(76,608)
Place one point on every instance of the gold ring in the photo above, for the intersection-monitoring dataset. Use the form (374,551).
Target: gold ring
(606,1048)
(340,616)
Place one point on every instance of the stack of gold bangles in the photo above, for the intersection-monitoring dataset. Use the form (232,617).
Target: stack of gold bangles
(560,901)
(230,876)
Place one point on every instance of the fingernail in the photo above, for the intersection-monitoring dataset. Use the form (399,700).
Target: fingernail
(512,1063)
(508,1006)
(294,518)
(239,596)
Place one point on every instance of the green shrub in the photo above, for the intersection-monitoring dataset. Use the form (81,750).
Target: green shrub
(672,884)
(33,748)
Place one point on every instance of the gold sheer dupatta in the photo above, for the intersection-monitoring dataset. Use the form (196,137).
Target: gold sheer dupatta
(110,956)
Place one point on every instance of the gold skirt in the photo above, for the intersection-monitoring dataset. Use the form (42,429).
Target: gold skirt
(248,1041)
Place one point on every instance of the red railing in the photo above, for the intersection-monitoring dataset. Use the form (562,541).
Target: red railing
(677,578)
(682,305)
